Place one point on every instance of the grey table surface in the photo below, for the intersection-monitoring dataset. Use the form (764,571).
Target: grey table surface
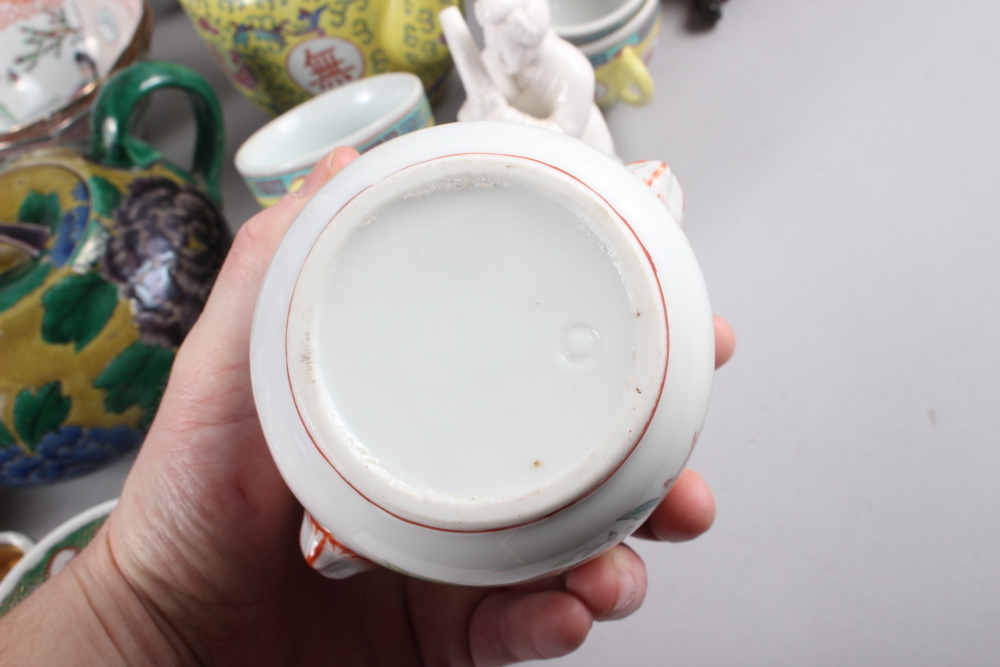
(840,165)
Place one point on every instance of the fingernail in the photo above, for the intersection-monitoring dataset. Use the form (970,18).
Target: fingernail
(627,589)
(316,178)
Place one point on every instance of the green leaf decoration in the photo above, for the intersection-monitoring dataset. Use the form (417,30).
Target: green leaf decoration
(77,308)
(35,414)
(6,438)
(136,376)
(7,115)
(641,510)
(104,194)
(21,281)
(40,209)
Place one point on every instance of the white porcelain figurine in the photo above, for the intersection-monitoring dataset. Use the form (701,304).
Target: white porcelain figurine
(526,73)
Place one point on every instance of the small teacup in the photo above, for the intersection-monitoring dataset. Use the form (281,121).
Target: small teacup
(620,58)
(363,114)
(584,21)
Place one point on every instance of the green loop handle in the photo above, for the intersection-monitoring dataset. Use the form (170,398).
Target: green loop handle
(112,145)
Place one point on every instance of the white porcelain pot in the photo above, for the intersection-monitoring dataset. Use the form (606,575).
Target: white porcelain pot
(481,355)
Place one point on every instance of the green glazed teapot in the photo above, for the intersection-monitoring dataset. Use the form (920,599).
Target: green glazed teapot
(106,261)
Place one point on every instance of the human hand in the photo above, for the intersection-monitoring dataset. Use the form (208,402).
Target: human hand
(199,563)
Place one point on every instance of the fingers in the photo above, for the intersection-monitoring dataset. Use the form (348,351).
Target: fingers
(324,170)
(611,586)
(219,341)
(536,622)
(257,240)
(515,626)
(686,512)
(725,341)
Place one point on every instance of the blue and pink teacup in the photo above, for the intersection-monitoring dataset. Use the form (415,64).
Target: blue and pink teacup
(277,158)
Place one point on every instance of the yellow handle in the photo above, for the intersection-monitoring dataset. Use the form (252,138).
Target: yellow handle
(634,84)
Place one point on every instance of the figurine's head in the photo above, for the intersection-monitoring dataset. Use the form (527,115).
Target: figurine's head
(513,28)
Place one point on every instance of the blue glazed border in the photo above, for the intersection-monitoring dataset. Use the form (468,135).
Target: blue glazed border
(269,189)
(419,117)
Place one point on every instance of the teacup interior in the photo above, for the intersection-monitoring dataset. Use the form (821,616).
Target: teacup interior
(476,342)
(312,129)
(567,13)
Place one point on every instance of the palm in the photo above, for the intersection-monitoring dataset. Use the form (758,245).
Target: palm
(212,536)
(222,563)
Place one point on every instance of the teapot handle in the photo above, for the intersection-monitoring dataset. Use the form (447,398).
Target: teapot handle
(24,236)
(112,145)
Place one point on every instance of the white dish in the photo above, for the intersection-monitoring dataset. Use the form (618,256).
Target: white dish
(482,354)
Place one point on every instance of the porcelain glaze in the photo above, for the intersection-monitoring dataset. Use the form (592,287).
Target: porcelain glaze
(620,59)
(362,114)
(552,371)
(437,321)
(55,54)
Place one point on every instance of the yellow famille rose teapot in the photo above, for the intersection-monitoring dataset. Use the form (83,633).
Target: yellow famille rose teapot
(280,53)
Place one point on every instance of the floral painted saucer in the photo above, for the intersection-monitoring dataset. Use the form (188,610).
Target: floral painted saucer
(54,55)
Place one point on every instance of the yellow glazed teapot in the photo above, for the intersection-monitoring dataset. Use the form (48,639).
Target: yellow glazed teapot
(107,257)
(280,53)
